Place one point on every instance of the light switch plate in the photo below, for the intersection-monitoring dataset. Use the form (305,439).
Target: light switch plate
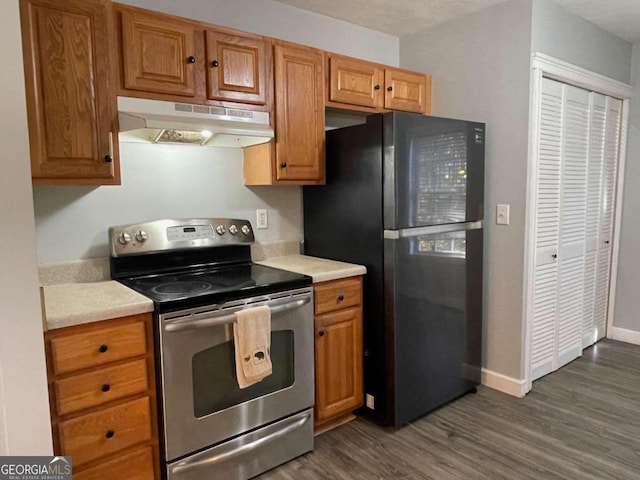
(502,214)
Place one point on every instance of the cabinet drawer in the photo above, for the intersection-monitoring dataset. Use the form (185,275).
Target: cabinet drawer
(106,431)
(338,294)
(94,388)
(97,347)
(137,465)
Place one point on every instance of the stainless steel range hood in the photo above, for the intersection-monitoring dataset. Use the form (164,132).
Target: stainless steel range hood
(156,121)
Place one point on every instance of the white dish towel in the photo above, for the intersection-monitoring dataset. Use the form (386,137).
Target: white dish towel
(252,338)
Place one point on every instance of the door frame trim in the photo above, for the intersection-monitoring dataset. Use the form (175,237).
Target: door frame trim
(546,66)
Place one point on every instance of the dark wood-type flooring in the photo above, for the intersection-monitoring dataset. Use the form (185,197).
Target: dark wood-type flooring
(581,422)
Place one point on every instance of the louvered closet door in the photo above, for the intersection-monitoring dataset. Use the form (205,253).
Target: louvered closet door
(594,194)
(545,294)
(607,203)
(573,217)
(578,144)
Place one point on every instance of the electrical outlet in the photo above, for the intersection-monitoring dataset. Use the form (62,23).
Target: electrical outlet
(261,218)
(502,214)
(370,401)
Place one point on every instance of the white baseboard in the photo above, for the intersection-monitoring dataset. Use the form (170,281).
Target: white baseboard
(504,384)
(624,335)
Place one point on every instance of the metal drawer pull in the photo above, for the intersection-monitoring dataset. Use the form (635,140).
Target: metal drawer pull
(190,323)
(186,465)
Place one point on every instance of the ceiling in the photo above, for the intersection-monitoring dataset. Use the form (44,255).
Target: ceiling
(404,17)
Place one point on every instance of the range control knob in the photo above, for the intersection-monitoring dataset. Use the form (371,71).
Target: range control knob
(245,229)
(142,236)
(220,229)
(124,238)
(233,229)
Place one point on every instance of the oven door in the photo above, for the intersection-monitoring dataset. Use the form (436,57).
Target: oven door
(202,403)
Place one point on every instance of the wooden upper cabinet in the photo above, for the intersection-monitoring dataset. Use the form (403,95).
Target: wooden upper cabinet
(236,67)
(159,53)
(355,82)
(299,113)
(361,85)
(407,91)
(70,102)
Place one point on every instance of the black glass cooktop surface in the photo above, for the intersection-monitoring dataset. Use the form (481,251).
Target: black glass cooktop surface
(174,291)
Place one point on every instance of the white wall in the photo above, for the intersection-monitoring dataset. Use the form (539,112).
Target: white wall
(160,181)
(480,68)
(277,20)
(25,428)
(163,182)
(627,303)
(562,35)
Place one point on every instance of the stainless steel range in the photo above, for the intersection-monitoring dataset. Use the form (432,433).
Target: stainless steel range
(199,274)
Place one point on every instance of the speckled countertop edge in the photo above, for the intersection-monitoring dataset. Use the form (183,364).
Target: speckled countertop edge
(319,269)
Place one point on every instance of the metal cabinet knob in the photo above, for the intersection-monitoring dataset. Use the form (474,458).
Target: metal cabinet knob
(554,256)
(191,59)
(377,87)
(108,158)
(109,434)
(607,242)
(214,63)
(103,348)
(283,165)
(321,333)
(340,298)
(389,89)
(105,387)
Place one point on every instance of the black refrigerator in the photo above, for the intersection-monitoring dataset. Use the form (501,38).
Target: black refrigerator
(404,197)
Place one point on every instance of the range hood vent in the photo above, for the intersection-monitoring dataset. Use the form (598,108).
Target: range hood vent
(155,121)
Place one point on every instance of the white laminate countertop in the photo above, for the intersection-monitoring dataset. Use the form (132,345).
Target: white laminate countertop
(320,269)
(75,303)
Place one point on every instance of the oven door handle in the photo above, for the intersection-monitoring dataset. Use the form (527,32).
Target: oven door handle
(192,323)
(203,459)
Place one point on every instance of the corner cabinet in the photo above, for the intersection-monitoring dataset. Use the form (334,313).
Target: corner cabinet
(102,396)
(357,83)
(338,351)
(71,104)
(297,157)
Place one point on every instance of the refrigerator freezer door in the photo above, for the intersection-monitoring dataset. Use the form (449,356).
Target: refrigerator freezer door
(433,292)
(433,170)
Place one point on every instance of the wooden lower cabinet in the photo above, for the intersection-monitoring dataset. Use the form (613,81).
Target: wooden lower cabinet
(338,351)
(103,400)
(136,465)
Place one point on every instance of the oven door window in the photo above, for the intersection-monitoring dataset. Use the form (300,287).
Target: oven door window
(215,386)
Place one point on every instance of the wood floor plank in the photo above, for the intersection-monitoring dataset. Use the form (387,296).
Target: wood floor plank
(581,422)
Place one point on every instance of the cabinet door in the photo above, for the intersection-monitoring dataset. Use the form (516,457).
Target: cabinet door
(71,108)
(159,54)
(338,363)
(299,114)
(236,67)
(407,91)
(355,82)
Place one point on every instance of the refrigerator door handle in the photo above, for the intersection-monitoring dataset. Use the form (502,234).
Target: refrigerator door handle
(417,231)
